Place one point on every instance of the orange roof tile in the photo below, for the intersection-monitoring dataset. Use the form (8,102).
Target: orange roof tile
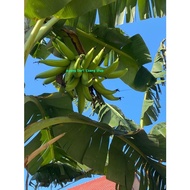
(97,184)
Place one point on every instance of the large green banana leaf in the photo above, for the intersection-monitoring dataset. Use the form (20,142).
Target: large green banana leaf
(36,9)
(111,12)
(95,144)
(117,12)
(151,103)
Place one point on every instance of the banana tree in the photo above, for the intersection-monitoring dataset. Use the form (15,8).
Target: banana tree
(113,146)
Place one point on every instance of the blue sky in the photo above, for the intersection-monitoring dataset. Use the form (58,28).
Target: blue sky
(153,31)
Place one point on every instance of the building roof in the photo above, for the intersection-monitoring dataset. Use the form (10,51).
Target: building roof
(102,183)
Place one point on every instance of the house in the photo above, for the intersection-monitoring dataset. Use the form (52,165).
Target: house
(102,183)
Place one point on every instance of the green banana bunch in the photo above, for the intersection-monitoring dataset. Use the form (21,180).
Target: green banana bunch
(82,75)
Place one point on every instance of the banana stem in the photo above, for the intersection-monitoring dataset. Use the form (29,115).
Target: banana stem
(37,33)
(45,28)
(30,41)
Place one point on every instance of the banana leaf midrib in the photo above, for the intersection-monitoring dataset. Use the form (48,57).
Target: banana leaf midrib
(31,129)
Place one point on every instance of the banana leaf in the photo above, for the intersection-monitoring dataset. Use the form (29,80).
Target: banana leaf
(36,9)
(91,143)
(151,104)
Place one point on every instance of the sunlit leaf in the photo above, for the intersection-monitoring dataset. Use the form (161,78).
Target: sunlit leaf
(74,8)
(36,9)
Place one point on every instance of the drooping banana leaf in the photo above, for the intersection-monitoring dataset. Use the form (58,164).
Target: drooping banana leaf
(92,143)
(57,173)
(114,117)
(87,142)
(151,104)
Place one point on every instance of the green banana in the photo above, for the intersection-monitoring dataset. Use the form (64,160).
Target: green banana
(98,79)
(49,80)
(81,98)
(86,93)
(77,66)
(105,71)
(88,58)
(64,49)
(69,72)
(117,74)
(106,60)
(55,63)
(52,72)
(97,59)
(72,84)
(87,79)
(102,90)
(111,97)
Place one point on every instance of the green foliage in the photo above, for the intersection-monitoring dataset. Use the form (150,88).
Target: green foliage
(114,146)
